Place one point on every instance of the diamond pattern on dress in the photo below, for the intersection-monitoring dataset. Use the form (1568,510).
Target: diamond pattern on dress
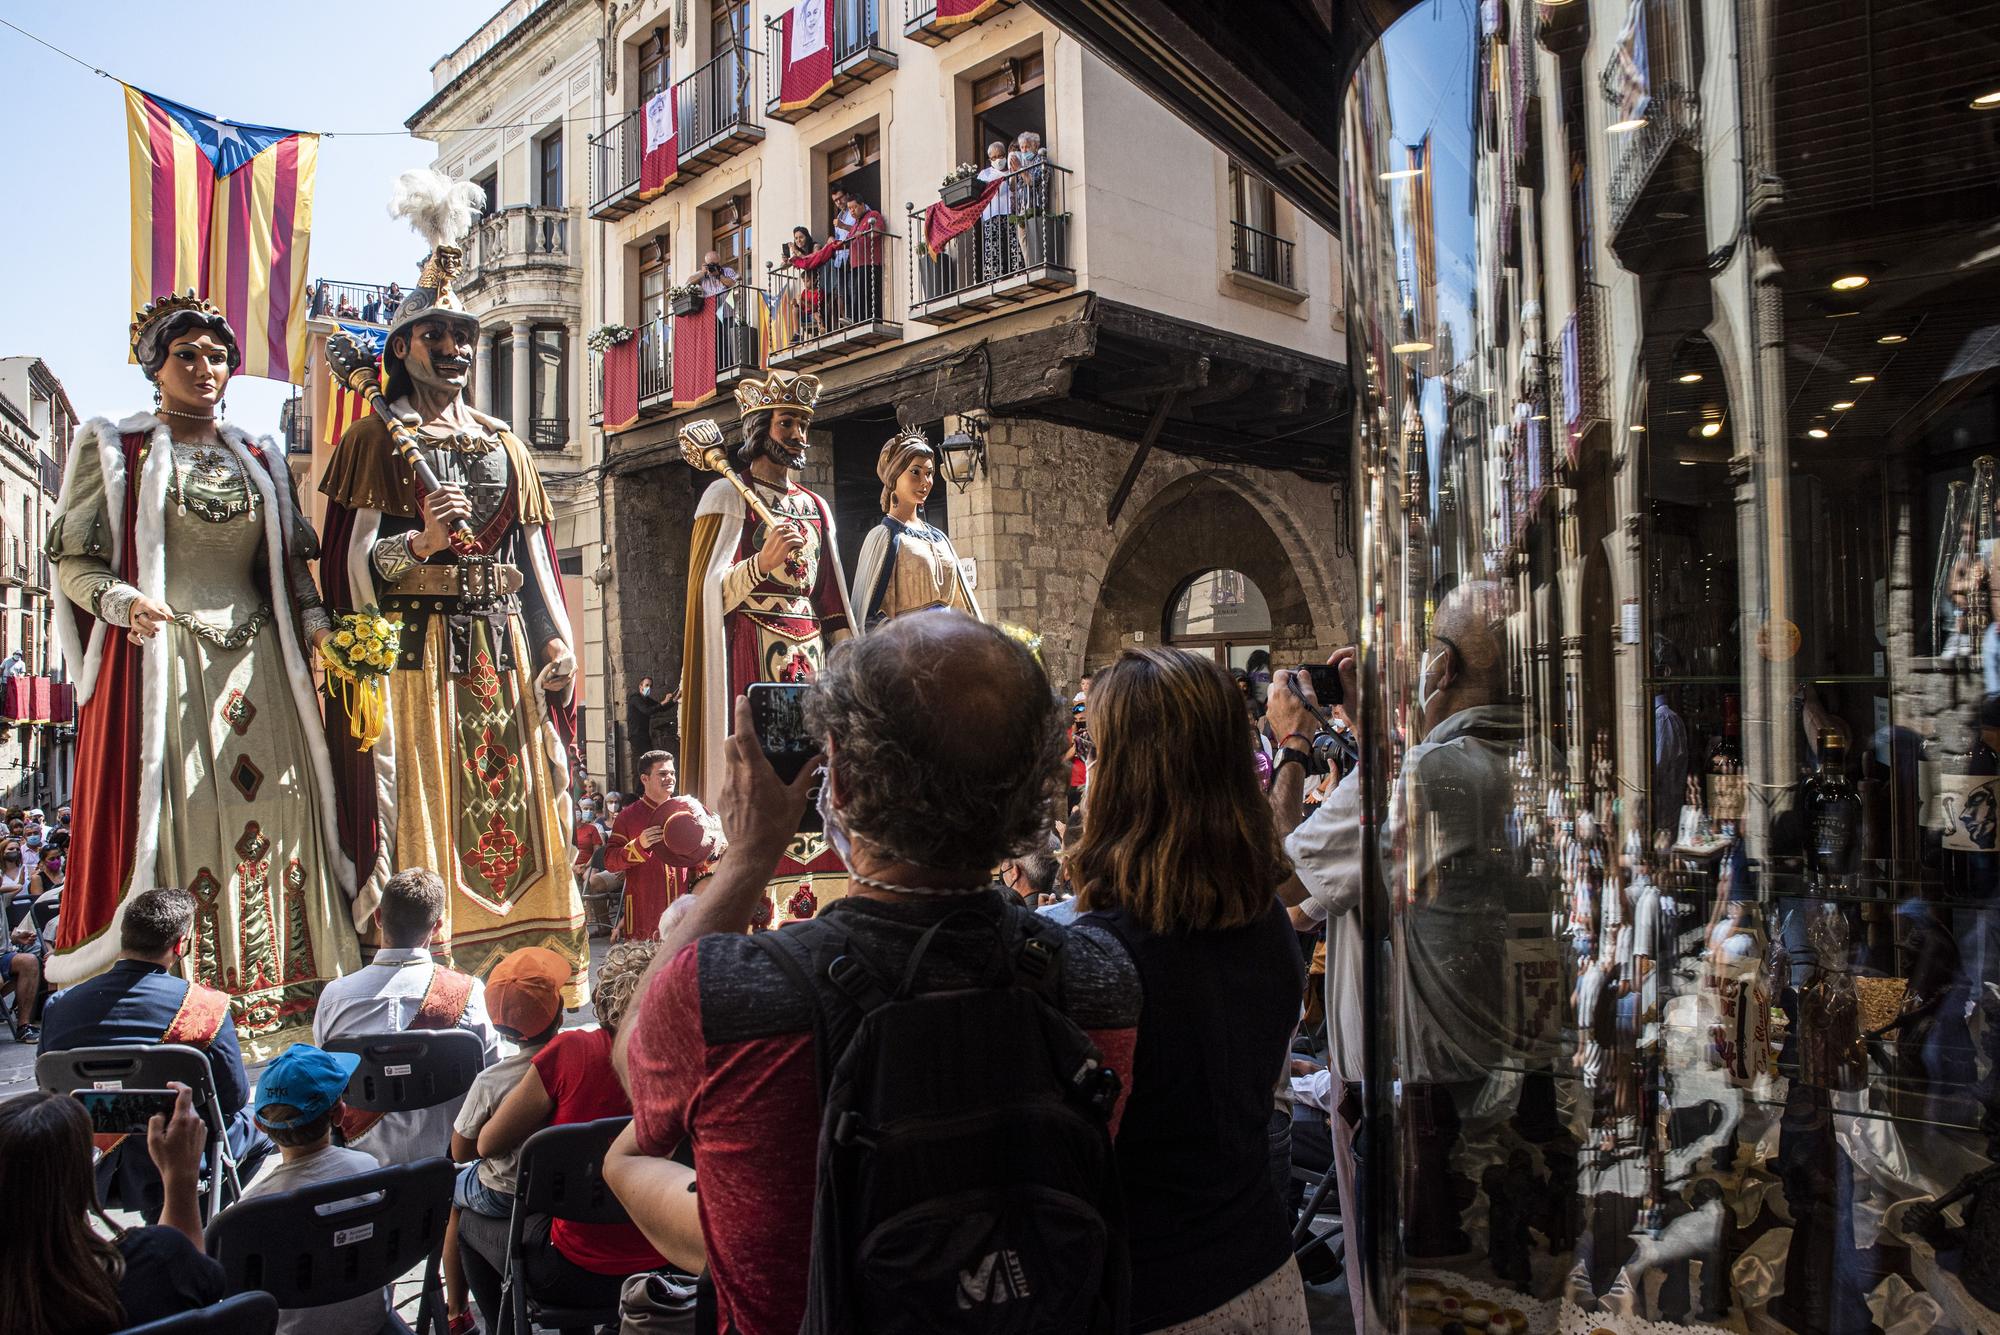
(237,711)
(247,778)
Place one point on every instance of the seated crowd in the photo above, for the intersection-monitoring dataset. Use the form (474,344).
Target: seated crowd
(1140,1086)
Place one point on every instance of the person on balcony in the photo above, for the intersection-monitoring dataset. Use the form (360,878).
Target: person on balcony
(864,261)
(993,218)
(715,280)
(391,300)
(809,258)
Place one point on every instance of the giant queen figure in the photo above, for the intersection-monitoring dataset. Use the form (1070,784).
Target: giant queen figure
(186,616)
(765,601)
(470,774)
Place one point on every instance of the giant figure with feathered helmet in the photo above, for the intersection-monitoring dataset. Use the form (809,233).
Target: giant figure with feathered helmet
(765,601)
(469,775)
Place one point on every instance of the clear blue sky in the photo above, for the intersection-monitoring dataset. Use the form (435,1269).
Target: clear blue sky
(65,232)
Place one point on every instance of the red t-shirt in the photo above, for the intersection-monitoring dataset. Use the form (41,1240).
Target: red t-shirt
(575,1067)
(721,1053)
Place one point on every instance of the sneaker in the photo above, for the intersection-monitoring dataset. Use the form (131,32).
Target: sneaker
(464,1324)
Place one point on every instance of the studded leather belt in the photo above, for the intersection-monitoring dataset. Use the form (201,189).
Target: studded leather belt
(473,580)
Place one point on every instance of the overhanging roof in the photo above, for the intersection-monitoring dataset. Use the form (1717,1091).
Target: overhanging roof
(1261,79)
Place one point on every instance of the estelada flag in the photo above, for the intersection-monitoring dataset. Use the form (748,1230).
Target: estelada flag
(807,56)
(621,385)
(344,407)
(694,356)
(660,156)
(224,209)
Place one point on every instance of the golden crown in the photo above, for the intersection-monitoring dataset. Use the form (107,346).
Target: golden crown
(792,393)
(167,305)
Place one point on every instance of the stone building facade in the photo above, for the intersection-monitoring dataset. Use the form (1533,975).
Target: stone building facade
(1155,371)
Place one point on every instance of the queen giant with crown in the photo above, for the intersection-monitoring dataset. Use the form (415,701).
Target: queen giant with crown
(186,617)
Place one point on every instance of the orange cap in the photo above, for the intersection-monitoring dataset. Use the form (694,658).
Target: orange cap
(524,991)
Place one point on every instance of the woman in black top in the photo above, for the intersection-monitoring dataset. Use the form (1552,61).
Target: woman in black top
(1179,857)
(57,1275)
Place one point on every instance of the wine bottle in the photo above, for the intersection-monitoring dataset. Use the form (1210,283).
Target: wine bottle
(1833,820)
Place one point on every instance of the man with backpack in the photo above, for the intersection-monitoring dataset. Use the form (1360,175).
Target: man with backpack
(916,1090)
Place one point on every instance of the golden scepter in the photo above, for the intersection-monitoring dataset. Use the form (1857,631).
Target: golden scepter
(357,370)
(702,447)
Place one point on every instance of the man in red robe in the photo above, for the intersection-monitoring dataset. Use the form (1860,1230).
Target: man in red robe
(663,844)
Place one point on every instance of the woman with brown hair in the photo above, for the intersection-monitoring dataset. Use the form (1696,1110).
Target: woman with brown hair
(57,1275)
(1179,858)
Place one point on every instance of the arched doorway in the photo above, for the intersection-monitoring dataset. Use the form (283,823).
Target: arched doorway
(1223,614)
(1202,567)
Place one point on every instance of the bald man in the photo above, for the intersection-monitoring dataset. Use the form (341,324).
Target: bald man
(1445,830)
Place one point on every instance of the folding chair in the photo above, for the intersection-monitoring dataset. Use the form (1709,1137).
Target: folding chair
(285,1246)
(560,1174)
(245,1314)
(151,1066)
(411,1069)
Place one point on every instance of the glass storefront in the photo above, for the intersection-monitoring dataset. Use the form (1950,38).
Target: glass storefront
(1674,327)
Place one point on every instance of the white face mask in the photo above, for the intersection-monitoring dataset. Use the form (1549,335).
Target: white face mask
(646,691)
(829,816)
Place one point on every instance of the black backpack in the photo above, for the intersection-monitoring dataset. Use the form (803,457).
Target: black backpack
(966,1176)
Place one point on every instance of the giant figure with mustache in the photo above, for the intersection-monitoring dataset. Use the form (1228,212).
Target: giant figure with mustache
(763,604)
(470,776)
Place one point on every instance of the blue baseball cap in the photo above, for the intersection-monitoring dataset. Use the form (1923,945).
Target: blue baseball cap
(306,1078)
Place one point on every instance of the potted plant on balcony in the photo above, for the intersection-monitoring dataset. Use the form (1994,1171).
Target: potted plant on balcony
(961,185)
(608,336)
(1044,237)
(685,300)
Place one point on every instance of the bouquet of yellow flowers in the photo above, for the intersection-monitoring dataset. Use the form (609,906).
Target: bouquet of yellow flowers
(358,657)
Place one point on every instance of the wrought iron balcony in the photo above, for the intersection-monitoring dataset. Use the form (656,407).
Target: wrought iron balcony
(733,336)
(716,111)
(514,239)
(837,305)
(1019,246)
(923,23)
(614,167)
(356,303)
(1260,254)
(860,56)
(1655,188)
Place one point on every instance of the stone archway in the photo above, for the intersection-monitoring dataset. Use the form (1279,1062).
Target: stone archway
(1196,525)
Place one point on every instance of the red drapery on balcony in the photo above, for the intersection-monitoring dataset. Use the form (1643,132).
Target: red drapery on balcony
(26,699)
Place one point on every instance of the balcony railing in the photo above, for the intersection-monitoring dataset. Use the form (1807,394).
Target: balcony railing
(839,305)
(1019,245)
(860,55)
(1260,254)
(737,345)
(922,24)
(614,167)
(549,433)
(361,303)
(1672,121)
(525,236)
(716,110)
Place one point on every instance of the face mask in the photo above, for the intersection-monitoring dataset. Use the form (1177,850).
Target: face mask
(646,691)
(836,833)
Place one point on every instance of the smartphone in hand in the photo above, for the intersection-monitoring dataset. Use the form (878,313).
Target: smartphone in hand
(778,712)
(124,1112)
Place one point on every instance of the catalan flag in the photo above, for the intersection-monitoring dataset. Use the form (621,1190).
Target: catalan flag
(224,209)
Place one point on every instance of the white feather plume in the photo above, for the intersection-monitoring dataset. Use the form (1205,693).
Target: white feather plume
(439,208)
